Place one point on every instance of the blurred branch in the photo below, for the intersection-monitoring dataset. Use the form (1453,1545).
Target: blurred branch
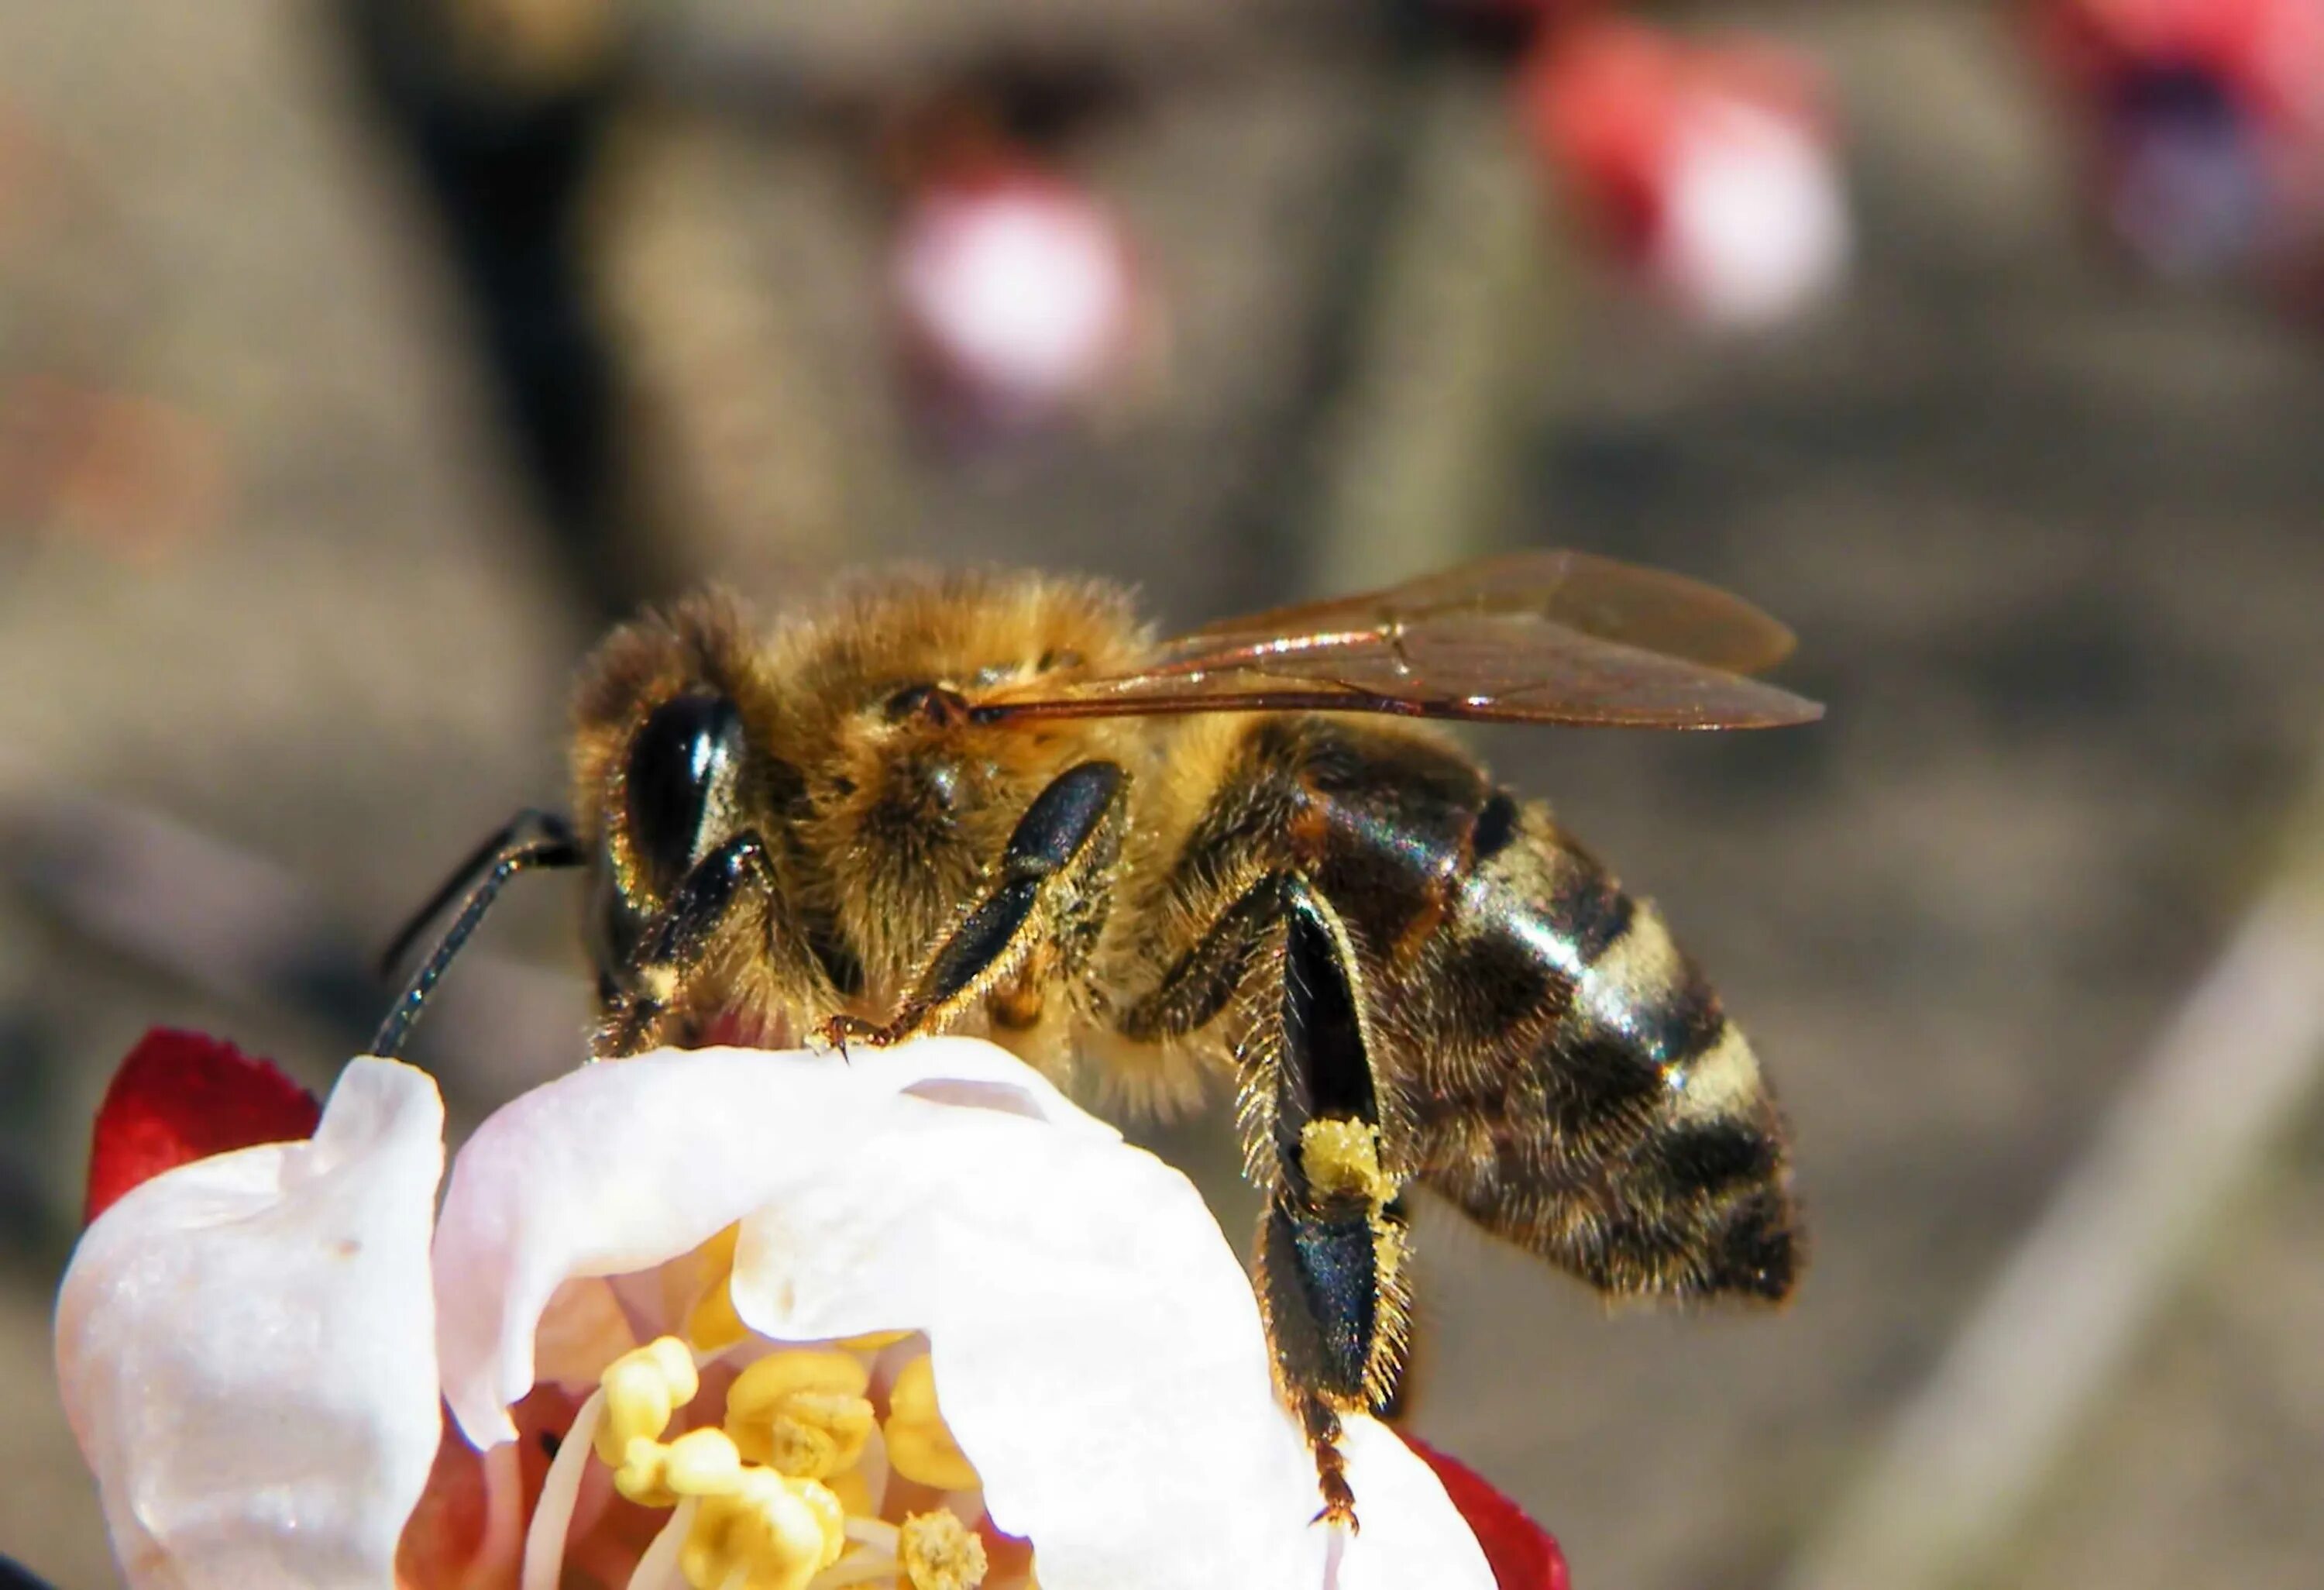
(737,428)
(1391,455)
(1420,443)
(2232,1070)
(505,144)
(243,930)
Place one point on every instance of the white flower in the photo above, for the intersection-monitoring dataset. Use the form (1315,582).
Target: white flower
(1755,223)
(740,1280)
(1017,287)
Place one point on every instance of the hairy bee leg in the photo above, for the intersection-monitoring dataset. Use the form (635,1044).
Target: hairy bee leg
(1319,1421)
(1330,1244)
(677,939)
(510,856)
(1070,830)
(1204,980)
(1331,1248)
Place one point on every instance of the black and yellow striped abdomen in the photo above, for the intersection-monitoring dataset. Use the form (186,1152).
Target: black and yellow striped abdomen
(1566,1074)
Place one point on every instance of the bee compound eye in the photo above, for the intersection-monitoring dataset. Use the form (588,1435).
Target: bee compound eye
(679,786)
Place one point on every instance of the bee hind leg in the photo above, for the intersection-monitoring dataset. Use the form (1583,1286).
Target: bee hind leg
(1054,874)
(1331,1272)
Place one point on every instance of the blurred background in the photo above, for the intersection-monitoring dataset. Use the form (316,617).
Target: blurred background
(361,359)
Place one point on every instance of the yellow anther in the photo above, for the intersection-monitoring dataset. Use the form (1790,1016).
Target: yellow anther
(770,1533)
(761,1388)
(920,1446)
(643,1387)
(938,1552)
(803,1413)
(712,1324)
(1342,1160)
(702,1463)
(639,1475)
(699,1462)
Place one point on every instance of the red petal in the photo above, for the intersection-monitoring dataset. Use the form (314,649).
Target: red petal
(1523,1555)
(180,1097)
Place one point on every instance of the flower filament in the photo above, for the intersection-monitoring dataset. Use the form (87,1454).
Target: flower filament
(776,1497)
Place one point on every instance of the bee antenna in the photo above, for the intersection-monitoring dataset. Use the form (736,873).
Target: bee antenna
(529,840)
(528,824)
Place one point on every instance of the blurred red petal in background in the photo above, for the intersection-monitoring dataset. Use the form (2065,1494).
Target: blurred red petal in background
(2205,120)
(182,1096)
(1523,1556)
(2274,49)
(1707,168)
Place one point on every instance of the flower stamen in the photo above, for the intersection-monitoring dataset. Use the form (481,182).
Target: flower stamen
(777,1496)
(802,1413)
(771,1533)
(644,1388)
(938,1552)
(920,1446)
(699,1462)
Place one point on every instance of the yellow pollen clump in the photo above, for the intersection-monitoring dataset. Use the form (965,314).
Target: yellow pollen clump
(1342,1159)
(643,1388)
(802,1413)
(770,1533)
(938,1552)
(920,1446)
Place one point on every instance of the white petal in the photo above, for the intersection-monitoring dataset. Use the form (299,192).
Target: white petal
(1413,1535)
(624,1166)
(1098,1349)
(1098,1354)
(247,1346)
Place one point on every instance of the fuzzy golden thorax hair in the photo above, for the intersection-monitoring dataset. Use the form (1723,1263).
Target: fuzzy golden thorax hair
(883,817)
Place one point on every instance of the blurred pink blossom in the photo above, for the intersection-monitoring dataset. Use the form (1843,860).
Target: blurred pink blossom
(2205,126)
(1707,169)
(1017,295)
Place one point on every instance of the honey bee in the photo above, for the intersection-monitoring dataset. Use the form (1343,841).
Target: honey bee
(994,804)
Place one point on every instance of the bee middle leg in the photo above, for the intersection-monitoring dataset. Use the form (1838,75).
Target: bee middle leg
(1332,1278)
(1052,891)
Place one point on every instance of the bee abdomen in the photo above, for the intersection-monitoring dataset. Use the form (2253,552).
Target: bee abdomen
(1601,1109)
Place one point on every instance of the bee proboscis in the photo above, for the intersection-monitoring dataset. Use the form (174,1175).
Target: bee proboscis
(994,804)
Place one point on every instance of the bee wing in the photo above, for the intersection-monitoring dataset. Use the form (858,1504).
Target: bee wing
(1646,608)
(1451,656)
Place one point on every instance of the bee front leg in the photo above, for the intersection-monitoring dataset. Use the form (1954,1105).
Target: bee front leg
(1058,855)
(678,939)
